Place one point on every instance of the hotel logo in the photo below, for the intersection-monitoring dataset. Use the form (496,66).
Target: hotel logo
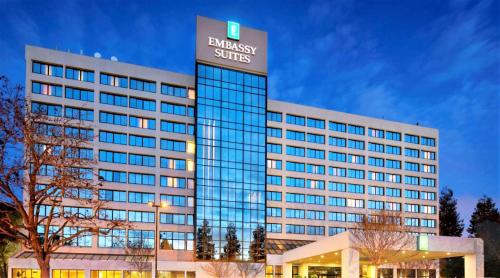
(233,30)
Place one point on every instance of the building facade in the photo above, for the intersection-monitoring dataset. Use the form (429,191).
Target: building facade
(215,148)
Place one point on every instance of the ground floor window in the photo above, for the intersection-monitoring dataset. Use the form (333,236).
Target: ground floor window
(25,273)
(137,274)
(68,273)
(106,274)
(175,274)
(274,271)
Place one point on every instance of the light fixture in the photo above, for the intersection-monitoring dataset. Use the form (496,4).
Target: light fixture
(150,203)
(164,204)
(448,253)
(322,256)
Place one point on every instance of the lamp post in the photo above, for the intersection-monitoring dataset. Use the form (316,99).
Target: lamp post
(157,236)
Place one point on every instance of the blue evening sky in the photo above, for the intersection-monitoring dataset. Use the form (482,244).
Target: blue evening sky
(432,62)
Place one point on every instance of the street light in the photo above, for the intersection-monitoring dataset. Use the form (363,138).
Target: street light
(157,236)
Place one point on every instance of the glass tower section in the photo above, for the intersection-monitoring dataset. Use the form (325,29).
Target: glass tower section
(231,153)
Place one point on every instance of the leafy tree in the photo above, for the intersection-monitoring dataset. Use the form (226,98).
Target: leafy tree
(258,245)
(450,224)
(485,211)
(205,247)
(232,249)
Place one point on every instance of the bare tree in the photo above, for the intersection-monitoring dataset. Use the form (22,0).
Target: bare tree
(381,237)
(47,159)
(218,269)
(139,255)
(248,269)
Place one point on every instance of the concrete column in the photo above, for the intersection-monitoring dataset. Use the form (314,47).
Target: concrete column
(350,263)
(474,265)
(287,270)
(87,272)
(394,272)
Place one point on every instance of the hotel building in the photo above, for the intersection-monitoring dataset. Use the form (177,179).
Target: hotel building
(214,147)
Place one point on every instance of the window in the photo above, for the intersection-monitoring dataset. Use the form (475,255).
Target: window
(393,192)
(410,166)
(175,200)
(295,182)
(114,80)
(273,212)
(112,195)
(274,180)
(174,91)
(315,138)
(336,216)
(428,182)
(378,205)
(424,195)
(295,166)
(82,133)
(427,209)
(375,176)
(337,142)
(356,188)
(112,137)
(175,241)
(339,127)
(174,182)
(274,164)
(143,104)
(142,160)
(173,145)
(295,151)
(141,216)
(46,109)
(428,168)
(295,213)
(113,176)
(79,94)
(295,120)
(274,116)
(335,156)
(376,161)
(141,179)
(355,144)
(356,174)
(295,198)
(356,159)
(141,197)
(390,135)
(294,229)
(336,186)
(393,178)
(355,203)
(113,99)
(354,217)
(112,157)
(173,127)
(316,230)
(142,122)
(316,123)
(46,89)
(411,194)
(172,218)
(273,228)
(411,180)
(173,163)
(411,208)
(315,184)
(174,109)
(47,69)
(336,201)
(273,196)
(79,114)
(274,132)
(426,141)
(295,135)
(429,223)
(393,164)
(393,150)
(142,85)
(112,118)
(374,147)
(354,129)
(377,133)
(376,190)
(80,74)
(318,154)
(413,222)
(414,139)
(274,148)
(315,200)
(427,155)
(335,230)
(146,237)
(112,214)
(65,273)
(393,206)
(336,171)
(411,152)
(112,239)
(142,141)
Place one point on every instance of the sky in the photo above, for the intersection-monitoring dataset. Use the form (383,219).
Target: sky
(432,62)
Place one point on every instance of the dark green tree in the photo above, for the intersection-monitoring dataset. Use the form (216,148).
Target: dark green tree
(205,247)
(485,224)
(232,248)
(485,211)
(450,224)
(257,250)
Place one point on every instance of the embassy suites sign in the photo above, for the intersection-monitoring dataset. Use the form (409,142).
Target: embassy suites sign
(227,44)
(226,49)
